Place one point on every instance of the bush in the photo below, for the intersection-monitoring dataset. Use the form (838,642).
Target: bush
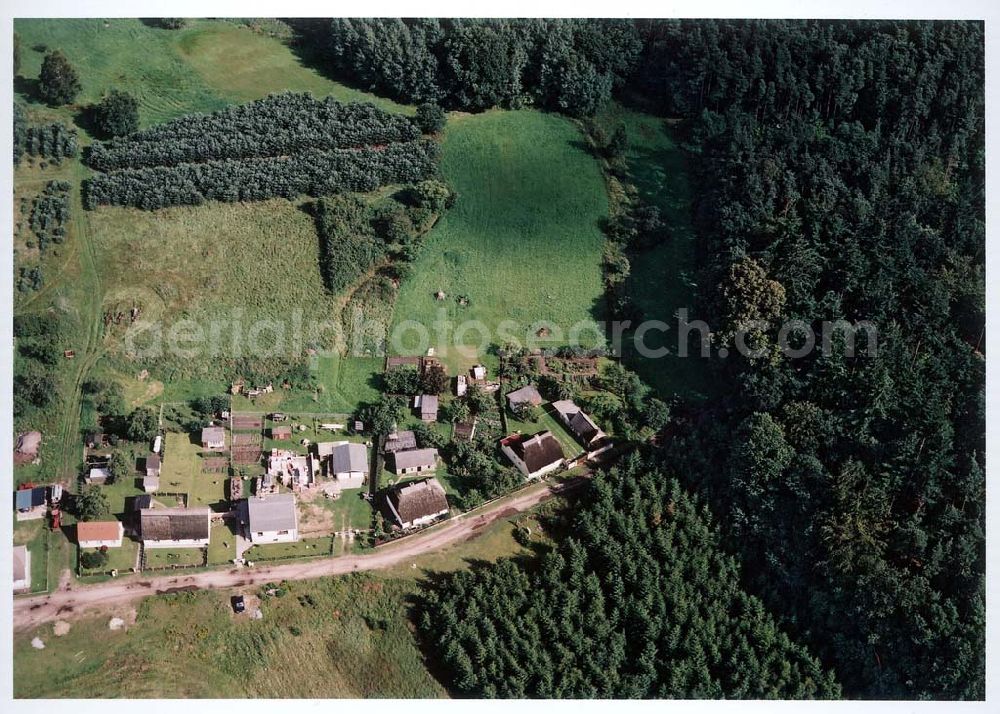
(117,114)
(94,559)
(430,118)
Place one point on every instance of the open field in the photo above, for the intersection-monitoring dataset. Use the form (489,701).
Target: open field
(521,243)
(35,535)
(200,68)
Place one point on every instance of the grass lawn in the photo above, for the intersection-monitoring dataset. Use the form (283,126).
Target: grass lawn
(181,473)
(36,536)
(349,511)
(662,279)
(522,242)
(299,549)
(222,544)
(166,557)
(123,558)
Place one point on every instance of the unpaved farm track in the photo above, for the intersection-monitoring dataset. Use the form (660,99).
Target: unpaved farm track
(30,612)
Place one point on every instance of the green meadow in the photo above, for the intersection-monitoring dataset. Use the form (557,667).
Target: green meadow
(522,242)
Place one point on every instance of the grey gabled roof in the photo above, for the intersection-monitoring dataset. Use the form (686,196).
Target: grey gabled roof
(415,457)
(272,513)
(212,434)
(525,394)
(400,441)
(349,457)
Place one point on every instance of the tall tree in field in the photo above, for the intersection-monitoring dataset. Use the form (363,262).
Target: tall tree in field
(58,82)
(117,114)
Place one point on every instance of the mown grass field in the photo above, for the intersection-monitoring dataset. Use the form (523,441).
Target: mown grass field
(522,242)
(203,67)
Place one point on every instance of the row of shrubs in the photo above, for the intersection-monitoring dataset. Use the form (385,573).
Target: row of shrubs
(49,214)
(277,125)
(310,172)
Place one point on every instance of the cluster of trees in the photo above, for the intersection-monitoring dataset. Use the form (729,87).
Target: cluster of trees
(50,214)
(839,173)
(641,601)
(38,344)
(48,141)
(277,125)
(473,64)
(356,235)
(311,172)
(408,381)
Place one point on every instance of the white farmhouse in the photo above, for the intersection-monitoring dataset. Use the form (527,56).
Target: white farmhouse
(271,519)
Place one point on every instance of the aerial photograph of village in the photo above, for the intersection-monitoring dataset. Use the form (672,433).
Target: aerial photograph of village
(513,358)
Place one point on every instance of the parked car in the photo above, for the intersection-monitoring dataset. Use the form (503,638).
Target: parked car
(239,603)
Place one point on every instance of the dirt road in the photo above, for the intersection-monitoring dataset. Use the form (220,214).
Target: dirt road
(29,612)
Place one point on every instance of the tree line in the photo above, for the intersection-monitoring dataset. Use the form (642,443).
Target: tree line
(277,125)
(473,64)
(53,141)
(640,601)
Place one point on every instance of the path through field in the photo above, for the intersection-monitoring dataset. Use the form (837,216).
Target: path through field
(30,612)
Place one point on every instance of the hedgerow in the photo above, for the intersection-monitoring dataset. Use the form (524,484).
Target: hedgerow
(310,172)
(49,141)
(277,125)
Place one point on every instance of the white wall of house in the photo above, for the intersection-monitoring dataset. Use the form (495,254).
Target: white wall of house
(186,543)
(25,582)
(424,520)
(350,479)
(101,543)
(416,469)
(285,536)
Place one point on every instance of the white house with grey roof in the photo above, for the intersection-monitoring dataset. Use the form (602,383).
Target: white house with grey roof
(414,461)
(271,519)
(349,464)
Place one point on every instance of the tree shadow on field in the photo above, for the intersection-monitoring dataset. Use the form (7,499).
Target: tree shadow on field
(28,88)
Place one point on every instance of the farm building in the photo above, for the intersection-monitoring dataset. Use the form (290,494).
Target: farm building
(22,568)
(99,534)
(291,469)
(31,503)
(271,519)
(213,437)
(175,527)
(582,427)
(478,372)
(157,444)
(98,474)
(417,503)
(399,441)
(427,406)
(414,461)
(524,395)
(533,456)
(281,432)
(151,481)
(461,385)
(349,464)
(26,447)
